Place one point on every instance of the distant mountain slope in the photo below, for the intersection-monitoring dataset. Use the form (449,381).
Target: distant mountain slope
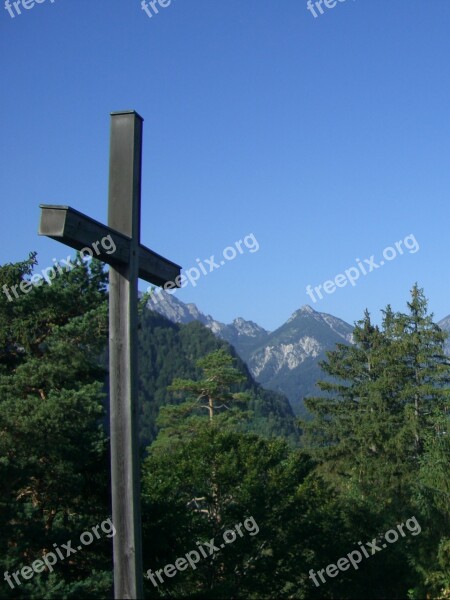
(285,360)
(169,350)
(288,359)
(243,335)
(444,324)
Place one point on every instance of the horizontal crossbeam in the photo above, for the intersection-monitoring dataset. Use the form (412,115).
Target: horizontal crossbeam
(78,231)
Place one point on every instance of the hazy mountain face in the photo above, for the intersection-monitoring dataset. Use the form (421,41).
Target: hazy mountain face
(288,359)
(444,324)
(285,360)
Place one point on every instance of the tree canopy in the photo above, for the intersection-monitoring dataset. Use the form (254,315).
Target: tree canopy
(221,454)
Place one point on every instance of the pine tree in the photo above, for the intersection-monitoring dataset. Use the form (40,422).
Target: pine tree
(253,478)
(53,451)
(212,396)
(423,367)
(354,434)
(389,389)
(381,438)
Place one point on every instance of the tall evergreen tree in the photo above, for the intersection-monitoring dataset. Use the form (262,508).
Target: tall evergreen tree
(54,461)
(381,437)
(212,396)
(389,389)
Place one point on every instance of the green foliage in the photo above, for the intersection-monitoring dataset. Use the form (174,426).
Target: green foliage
(212,393)
(381,436)
(53,452)
(375,454)
(169,352)
(205,485)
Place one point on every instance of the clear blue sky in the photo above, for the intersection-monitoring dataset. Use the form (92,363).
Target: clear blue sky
(327,138)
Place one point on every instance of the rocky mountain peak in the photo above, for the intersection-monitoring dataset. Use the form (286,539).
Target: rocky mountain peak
(284,360)
(248,328)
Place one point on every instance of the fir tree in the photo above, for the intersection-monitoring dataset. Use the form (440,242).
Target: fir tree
(54,461)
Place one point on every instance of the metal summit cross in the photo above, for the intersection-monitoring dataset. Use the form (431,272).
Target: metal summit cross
(129,262)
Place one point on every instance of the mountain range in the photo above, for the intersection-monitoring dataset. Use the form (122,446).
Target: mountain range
(444,324)
(285,360)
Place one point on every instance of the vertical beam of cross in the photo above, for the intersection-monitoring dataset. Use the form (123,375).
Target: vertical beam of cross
(124,216)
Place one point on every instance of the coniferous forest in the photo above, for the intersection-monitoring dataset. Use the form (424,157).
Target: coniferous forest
(351,502)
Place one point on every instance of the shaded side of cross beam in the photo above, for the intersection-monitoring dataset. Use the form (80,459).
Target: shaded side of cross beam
(79,231)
